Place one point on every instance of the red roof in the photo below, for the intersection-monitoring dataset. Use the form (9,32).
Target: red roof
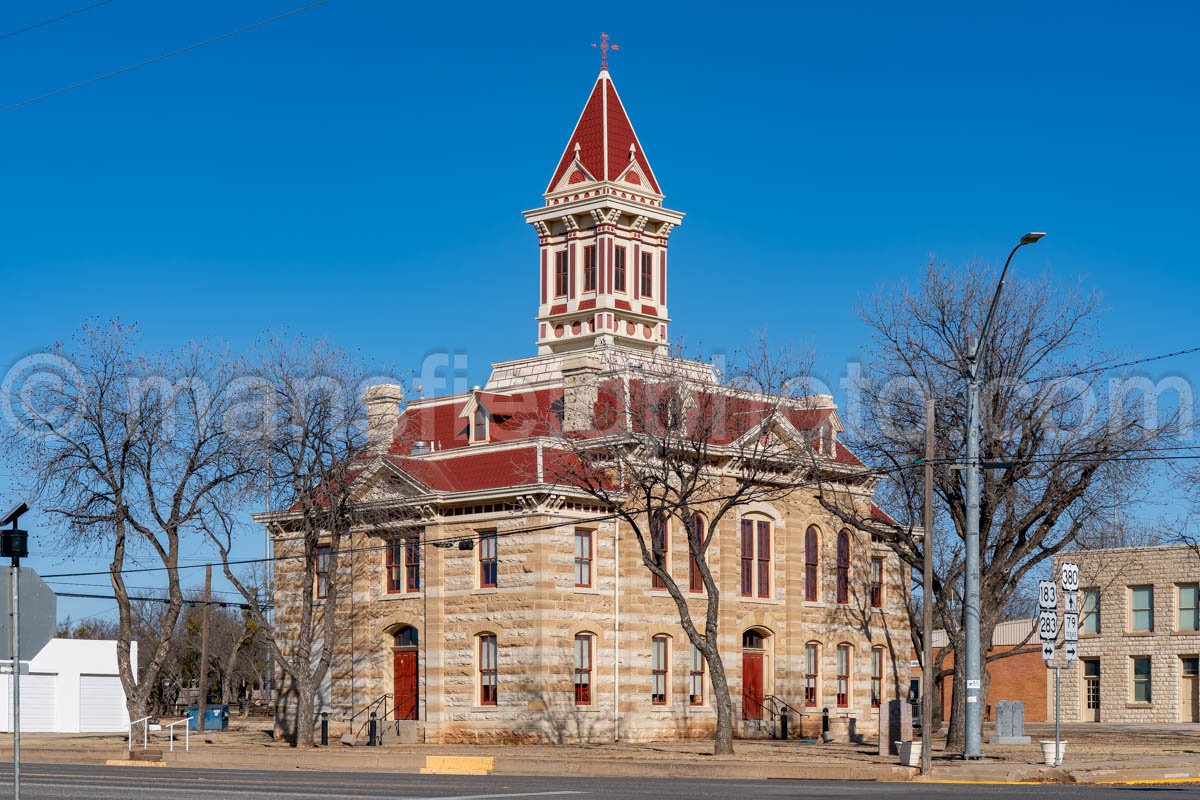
(604,138)
(473,471)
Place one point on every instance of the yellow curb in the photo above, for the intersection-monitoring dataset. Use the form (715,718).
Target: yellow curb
(125,762)
(978,783)
(458,765)
(1145,781)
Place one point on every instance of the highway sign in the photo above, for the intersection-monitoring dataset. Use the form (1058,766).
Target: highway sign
(1070,577)
(1071,651)
(1047,651)
(1070,602)
(1048,626)
(1070,627)
(1047,596)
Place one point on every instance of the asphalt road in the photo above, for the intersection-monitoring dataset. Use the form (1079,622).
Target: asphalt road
(58,782)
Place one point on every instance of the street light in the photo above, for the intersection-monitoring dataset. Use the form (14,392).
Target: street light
(973,744)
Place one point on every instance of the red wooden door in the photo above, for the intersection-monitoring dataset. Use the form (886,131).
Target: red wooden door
(752,685)
(405,687)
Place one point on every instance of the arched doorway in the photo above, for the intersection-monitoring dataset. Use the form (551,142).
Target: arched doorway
(405,673)
(754,657)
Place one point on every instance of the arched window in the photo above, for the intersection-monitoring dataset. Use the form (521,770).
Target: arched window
(696,678)
(843,567)
(405,637)
(658,548)
(752,639)
(843,676)
(876,677)
(756,557)
(812,673)
(697,530)
(812,555)
(660,668)
(488,673)
(583,669)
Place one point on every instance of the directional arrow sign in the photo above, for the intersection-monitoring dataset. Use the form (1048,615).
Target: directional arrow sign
(1048,626)
(1070,651)
(1047,596)
(1047,651)
(1070,602)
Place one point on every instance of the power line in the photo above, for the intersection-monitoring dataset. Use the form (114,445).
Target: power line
(1109,367)
(222,603)
(162,57)
(54,19)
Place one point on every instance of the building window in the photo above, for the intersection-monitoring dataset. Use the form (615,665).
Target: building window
(812,557)
(583,557)
(1089,620)
(1141,679)
(876,676)
(480,431)
(1141,603)
(403,564)
(583,669)
(589,268)
(659,663)
(756,555)
(323,556)
(1189,607)
(647,275)
(876,583)
(619,269)
(487,669)
(843,567)
(843,676)
(562,274)
(812,665)
(696,678)
(764,558)
(658,548)
(405,637)
(487,560)
(747,558)
(695,579)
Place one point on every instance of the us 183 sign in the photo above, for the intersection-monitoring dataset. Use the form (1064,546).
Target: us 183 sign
(1047,596)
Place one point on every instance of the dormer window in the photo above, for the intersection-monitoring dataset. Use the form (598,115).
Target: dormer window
(480,432)
(827,439)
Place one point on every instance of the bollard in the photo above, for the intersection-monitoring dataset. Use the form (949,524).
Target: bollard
(783,725)
(324,729)
(824,720)
(371,730)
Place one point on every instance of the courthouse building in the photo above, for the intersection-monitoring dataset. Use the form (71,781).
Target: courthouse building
(506,605)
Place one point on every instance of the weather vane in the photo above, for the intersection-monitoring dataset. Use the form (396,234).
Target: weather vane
(604,48)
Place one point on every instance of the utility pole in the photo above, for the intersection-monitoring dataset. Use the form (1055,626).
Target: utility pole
(973,739)
(202,699)
(14,543)
(927,676)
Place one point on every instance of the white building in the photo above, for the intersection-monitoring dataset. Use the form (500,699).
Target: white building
(72,686)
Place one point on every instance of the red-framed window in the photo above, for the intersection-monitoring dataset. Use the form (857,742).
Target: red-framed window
(876,582)
(480,431)
(764,558)
(812,666)
(696,530)
(488,567)
(696,678)
(843,675)
(843,567)
(583,557)
(589,268)
(647,274)
(583,669)
(402,564)
(812,558)
(659,663)
(562,274)
(323,557)
(658,548)
(619,269)
(876,676)
(488,673)
(747,558)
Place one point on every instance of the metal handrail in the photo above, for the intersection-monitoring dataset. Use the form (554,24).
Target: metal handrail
(145,722)
(187,730)
(369,706)
(784,704)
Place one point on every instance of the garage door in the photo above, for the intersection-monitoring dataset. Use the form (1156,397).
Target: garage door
(101,704)
(37,704)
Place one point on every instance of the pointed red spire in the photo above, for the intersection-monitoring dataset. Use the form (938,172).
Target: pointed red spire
(605,139)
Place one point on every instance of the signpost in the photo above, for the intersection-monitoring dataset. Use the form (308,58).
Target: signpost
(14,544)
(1048,631)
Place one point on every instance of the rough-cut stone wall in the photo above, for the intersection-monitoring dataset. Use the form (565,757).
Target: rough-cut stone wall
(536,611)
(1114,572)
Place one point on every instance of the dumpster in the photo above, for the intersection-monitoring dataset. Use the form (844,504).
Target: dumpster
(216,717)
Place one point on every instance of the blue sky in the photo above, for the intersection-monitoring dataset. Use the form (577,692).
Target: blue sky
(357,171)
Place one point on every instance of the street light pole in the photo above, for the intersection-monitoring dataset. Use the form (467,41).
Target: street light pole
(973,740)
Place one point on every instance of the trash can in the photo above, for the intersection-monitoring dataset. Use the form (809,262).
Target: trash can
(216,717)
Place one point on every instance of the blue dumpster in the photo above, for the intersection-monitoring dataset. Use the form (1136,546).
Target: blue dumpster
(216,717)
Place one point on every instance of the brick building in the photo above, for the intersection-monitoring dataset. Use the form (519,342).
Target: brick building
(1139,636)
(518,609)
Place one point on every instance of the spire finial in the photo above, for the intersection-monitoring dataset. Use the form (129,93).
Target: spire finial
(604,48)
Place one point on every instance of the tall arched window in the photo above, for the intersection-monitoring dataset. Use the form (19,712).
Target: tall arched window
(876,676)
(481,423)
(658,548)
(843,567)
(583,669)
(488,673)
(660,668)
(697,528)
(812,556)
(812,673)
(756,557)
(696,678)
(843,675)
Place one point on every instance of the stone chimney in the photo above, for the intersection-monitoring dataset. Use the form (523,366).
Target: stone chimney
(383,412)
(581,377)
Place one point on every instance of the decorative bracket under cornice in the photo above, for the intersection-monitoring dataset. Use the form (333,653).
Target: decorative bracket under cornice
(541,227)
(639,224)
(569,221)
(665,229)
(606,216)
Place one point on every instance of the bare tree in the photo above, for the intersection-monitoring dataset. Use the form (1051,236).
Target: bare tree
(130,450)
(311,437)
(665,444)
(1060,452)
